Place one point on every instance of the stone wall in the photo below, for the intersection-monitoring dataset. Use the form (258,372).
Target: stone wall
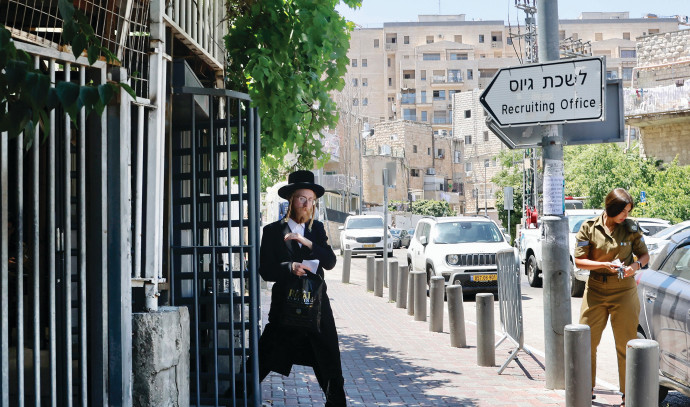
(160,357)
(663,59)
(666,137)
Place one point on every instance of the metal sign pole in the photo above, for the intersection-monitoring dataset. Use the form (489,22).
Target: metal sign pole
(556,263)
(384,254)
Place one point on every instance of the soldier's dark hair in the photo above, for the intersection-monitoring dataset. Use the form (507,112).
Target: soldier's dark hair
(616,201)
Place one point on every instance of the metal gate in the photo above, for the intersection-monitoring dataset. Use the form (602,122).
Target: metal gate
(215,240)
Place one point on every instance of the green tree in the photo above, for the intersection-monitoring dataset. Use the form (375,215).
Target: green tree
(510,175)
(431,208)
(289,55)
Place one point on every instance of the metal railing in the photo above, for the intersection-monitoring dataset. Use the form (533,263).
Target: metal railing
(661,99)
(510,302)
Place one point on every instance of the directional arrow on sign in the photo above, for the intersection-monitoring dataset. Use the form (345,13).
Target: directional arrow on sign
(550,93)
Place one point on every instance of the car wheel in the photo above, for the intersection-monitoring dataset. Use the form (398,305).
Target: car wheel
(409,265)
(532,270)
(577,287)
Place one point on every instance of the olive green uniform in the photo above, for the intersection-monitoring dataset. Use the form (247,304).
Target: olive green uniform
(605,294)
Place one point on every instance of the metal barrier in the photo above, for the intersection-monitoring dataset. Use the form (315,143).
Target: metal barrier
(510,301)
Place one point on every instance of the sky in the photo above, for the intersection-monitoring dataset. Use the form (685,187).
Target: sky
(374,13)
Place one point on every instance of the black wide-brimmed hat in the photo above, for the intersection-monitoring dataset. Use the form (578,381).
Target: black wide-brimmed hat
(300,180)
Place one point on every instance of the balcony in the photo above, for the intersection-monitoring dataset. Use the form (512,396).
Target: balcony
(408,98)
(340,182)
(662,99)
(438,79)
(391,47)
(455,79)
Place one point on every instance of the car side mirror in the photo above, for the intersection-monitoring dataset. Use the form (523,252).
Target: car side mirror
(341,227)
(424,240)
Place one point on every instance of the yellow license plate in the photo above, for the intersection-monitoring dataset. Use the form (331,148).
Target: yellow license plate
(484,277)
(368,245)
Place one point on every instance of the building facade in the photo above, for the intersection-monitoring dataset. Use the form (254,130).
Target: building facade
(414,71)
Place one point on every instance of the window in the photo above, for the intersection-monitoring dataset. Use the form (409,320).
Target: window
(354,82)
(458,56)
(414,172)
(424,116)
(422,75)
(428,151)
(410,114)
(628,53)
(626,36)
(390,81)
(355,102)
(468,139)
(598,36)
(365,82)
(457,157)
(627,74)
(440,153)
(439,95)
(509,41)
(458,39)
(376,43)
(406,39)
(486,162)
(481,38)
(388,62)
(365,101)
(468,167)
(486,136)
(470,74)
(431,57)
(354,63)
(440,117)
(429,39)
(414,147)
(611,74)
(408,74)
(364,62)
(678,264)
(468,114)
(423,97)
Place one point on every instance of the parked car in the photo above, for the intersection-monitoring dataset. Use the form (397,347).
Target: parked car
(460,249)
(651,226)
(396,237)
(657,241)
(664,292)
(364,234)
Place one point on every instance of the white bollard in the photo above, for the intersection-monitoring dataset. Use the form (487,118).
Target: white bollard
(456,316)
(436,294)
(578,365)
(642,373)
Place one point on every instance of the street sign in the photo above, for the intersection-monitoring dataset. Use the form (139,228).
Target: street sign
(550,93)
(611,130)
(643,198)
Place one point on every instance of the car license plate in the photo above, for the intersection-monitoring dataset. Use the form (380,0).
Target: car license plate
(485,277)
(368,245)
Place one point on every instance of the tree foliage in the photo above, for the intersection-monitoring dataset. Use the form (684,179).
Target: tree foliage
(289,55)
(26,94)
(510,175)
(593,171)
(431,208)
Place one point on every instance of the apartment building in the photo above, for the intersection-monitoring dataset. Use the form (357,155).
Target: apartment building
(413,70)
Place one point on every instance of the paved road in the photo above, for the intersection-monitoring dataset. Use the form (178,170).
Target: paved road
(390,359)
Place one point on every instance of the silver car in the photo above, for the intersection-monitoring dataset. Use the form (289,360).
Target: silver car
(664,290)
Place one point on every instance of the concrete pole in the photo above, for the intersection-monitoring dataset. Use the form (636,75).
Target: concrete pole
(419,295)
(578,366)
(410,293)
(347,261)
(555,253)
(393,287)
(378,278)
(370,272)
(642,373)
(436,294)
(401,296)
(486,352)
(456,316)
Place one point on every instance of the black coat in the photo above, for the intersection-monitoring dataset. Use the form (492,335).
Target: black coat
(281,347)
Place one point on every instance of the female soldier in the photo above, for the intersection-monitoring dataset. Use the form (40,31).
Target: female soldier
(605,246)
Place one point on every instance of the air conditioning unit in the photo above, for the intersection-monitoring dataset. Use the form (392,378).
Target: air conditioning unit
(450,105)
(431,171)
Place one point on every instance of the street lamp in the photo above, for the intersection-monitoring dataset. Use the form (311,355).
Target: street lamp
(486,164)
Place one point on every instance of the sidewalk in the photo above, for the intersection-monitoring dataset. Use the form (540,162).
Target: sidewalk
(391,360)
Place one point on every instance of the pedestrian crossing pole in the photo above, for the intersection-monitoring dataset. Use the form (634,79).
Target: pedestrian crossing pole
(555,253)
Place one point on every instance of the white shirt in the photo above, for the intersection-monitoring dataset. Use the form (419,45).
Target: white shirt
(296,228)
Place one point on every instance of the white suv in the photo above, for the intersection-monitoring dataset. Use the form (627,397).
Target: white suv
(461,249)
(364,234)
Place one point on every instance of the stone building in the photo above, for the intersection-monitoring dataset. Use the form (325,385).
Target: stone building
(658,101)
(410,71)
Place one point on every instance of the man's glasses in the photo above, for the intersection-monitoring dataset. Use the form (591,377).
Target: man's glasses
(303,200)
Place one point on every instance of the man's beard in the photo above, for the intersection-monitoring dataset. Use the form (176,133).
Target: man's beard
(300,215)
